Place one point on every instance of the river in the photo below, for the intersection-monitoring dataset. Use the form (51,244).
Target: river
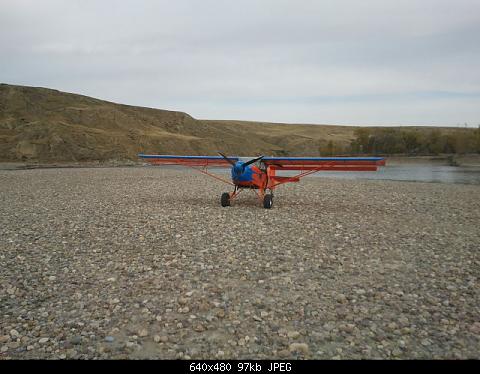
(415,173)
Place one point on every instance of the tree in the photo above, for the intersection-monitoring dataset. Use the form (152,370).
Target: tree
(411,141)
(477,139)
(362,138)
(435,142)
(449,146)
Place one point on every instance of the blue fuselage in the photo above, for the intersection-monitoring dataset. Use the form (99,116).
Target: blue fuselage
(241,174)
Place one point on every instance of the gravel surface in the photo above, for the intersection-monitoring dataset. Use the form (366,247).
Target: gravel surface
(144,263)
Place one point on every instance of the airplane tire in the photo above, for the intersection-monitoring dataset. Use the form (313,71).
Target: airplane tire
(267,201)
(225,200)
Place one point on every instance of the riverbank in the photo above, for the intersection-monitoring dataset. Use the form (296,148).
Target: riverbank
(144,263)
(447,160)
(443,160)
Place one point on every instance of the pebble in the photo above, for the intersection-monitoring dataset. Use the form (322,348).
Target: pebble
(143,332)
(283,353)
(164,338)
(299,347)
(343,295)
(14,333)
(4,338)
(293,334)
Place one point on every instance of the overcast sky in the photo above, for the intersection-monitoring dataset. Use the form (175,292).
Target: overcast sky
(369,62)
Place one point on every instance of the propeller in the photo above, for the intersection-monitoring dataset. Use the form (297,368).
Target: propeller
(244,165)
(252,161)
(226,158)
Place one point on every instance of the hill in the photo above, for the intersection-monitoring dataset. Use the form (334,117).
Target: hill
(45,125)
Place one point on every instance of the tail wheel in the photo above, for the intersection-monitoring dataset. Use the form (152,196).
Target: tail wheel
(267,201)
(225,200)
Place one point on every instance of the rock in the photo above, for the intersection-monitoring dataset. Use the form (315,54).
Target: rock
(13,345)
(76,340)
(182,300)
(299,347)
(396,352)
(348,328)
(43,340)
(14,333)
(426,342)
(199,328)
(109,283)
(109,339)
(392,326)
(475,328)
(293,334)
(164,338)
(4,338)
(341,312)
(143,333)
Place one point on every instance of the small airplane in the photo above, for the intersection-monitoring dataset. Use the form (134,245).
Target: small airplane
(259,174)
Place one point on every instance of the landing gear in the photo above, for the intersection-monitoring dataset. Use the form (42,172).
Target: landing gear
(267,201)
(225,200)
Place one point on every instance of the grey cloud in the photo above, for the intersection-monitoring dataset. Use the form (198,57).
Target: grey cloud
(365,62)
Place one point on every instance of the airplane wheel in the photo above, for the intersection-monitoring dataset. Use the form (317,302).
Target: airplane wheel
(225,200)
(267,201)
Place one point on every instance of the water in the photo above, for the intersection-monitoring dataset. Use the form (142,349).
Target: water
(407,172)
(414,173)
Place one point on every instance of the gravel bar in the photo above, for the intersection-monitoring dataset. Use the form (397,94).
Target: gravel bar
(143,262)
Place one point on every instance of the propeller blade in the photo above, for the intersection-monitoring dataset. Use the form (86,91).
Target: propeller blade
(226,158)
(252,161)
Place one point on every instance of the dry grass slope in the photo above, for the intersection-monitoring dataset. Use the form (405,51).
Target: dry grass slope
(45,125)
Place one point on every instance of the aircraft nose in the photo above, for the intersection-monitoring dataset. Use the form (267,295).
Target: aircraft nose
(237,169)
